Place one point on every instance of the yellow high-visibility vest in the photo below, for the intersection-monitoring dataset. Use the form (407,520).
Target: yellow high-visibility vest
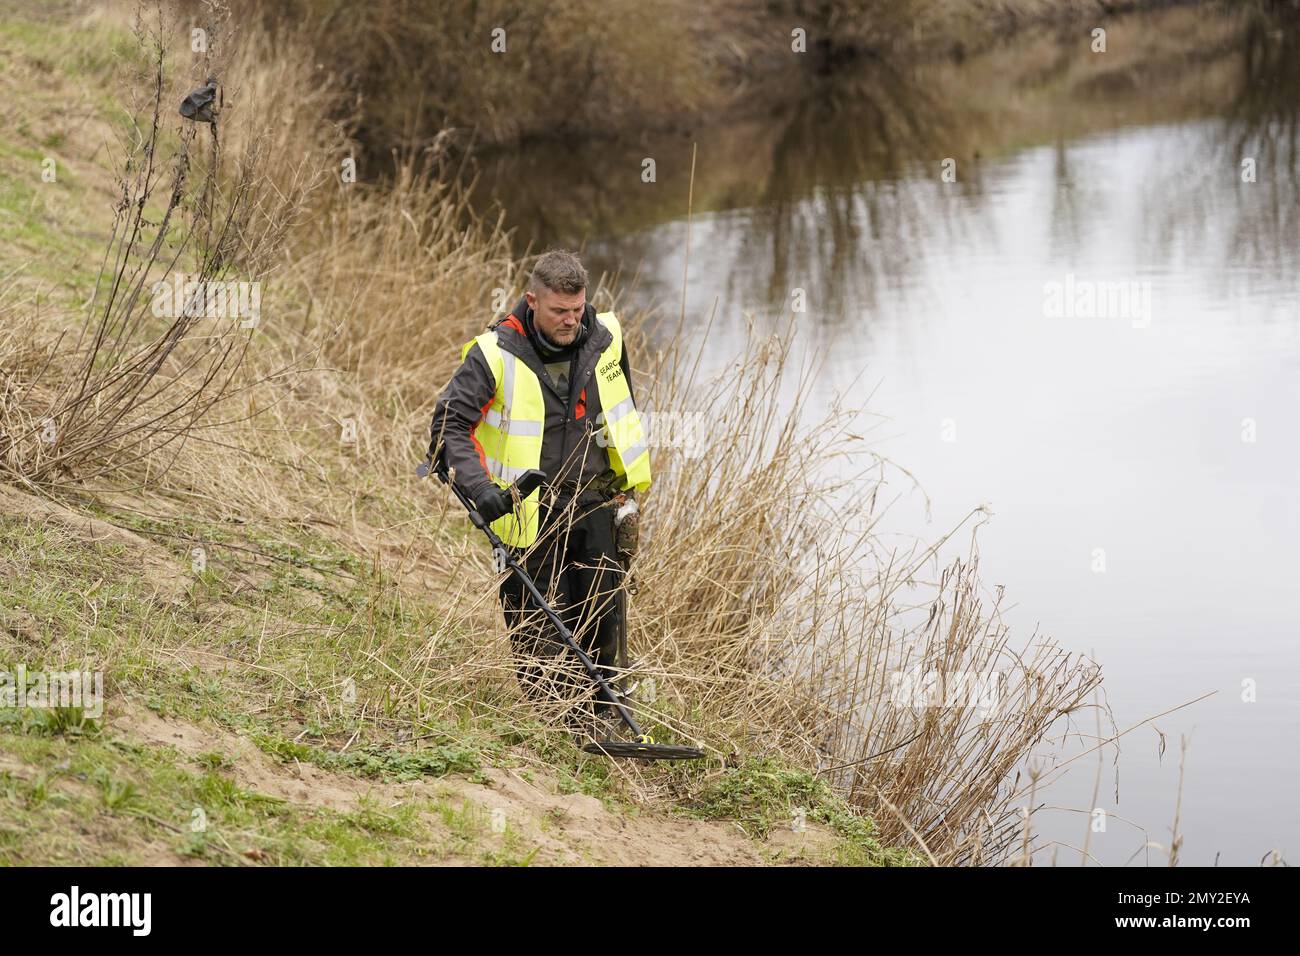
(510,432)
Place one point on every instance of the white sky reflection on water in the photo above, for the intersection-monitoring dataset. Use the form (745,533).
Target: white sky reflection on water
(1120,433)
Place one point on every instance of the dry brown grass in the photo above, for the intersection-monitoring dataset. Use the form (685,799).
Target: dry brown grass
(571,65)
(396,272)
(136,381)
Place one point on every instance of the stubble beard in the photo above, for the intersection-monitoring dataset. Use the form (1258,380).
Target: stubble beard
(561,343)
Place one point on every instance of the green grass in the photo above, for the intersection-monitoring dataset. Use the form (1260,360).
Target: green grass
(62,90)
(373,760)
(85,604)
(96,611)
(762,795)
(77,53)
(107,801)
(103,800)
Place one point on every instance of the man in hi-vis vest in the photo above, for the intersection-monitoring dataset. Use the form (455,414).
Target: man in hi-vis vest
(549,386)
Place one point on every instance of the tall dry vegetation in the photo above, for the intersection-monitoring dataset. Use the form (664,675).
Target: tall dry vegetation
(771,611)
(423,66)
(767,625)
(144,371)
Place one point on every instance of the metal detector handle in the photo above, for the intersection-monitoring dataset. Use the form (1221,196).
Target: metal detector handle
(525,484)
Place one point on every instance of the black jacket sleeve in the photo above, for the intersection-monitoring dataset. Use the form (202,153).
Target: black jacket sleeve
(459,408)
(626,365)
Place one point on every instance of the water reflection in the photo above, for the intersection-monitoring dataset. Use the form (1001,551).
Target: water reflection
(837,188)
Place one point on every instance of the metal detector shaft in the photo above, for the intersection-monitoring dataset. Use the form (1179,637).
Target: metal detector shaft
(525,484)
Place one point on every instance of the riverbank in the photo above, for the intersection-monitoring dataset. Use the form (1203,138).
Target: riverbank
(619,68)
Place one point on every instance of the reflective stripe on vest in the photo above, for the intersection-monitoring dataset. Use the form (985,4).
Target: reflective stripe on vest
(510,432)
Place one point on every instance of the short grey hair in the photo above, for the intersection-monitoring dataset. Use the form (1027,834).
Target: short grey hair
(558,271)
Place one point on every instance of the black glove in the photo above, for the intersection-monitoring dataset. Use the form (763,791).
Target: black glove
(493,502)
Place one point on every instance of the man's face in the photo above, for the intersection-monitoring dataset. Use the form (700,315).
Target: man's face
(557,315)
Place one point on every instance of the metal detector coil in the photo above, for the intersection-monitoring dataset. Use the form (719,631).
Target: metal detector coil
(637,750)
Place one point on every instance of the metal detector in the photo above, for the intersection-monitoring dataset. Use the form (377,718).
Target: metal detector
(642,746)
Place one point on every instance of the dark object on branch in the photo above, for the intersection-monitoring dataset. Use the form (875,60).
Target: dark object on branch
(203,104)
